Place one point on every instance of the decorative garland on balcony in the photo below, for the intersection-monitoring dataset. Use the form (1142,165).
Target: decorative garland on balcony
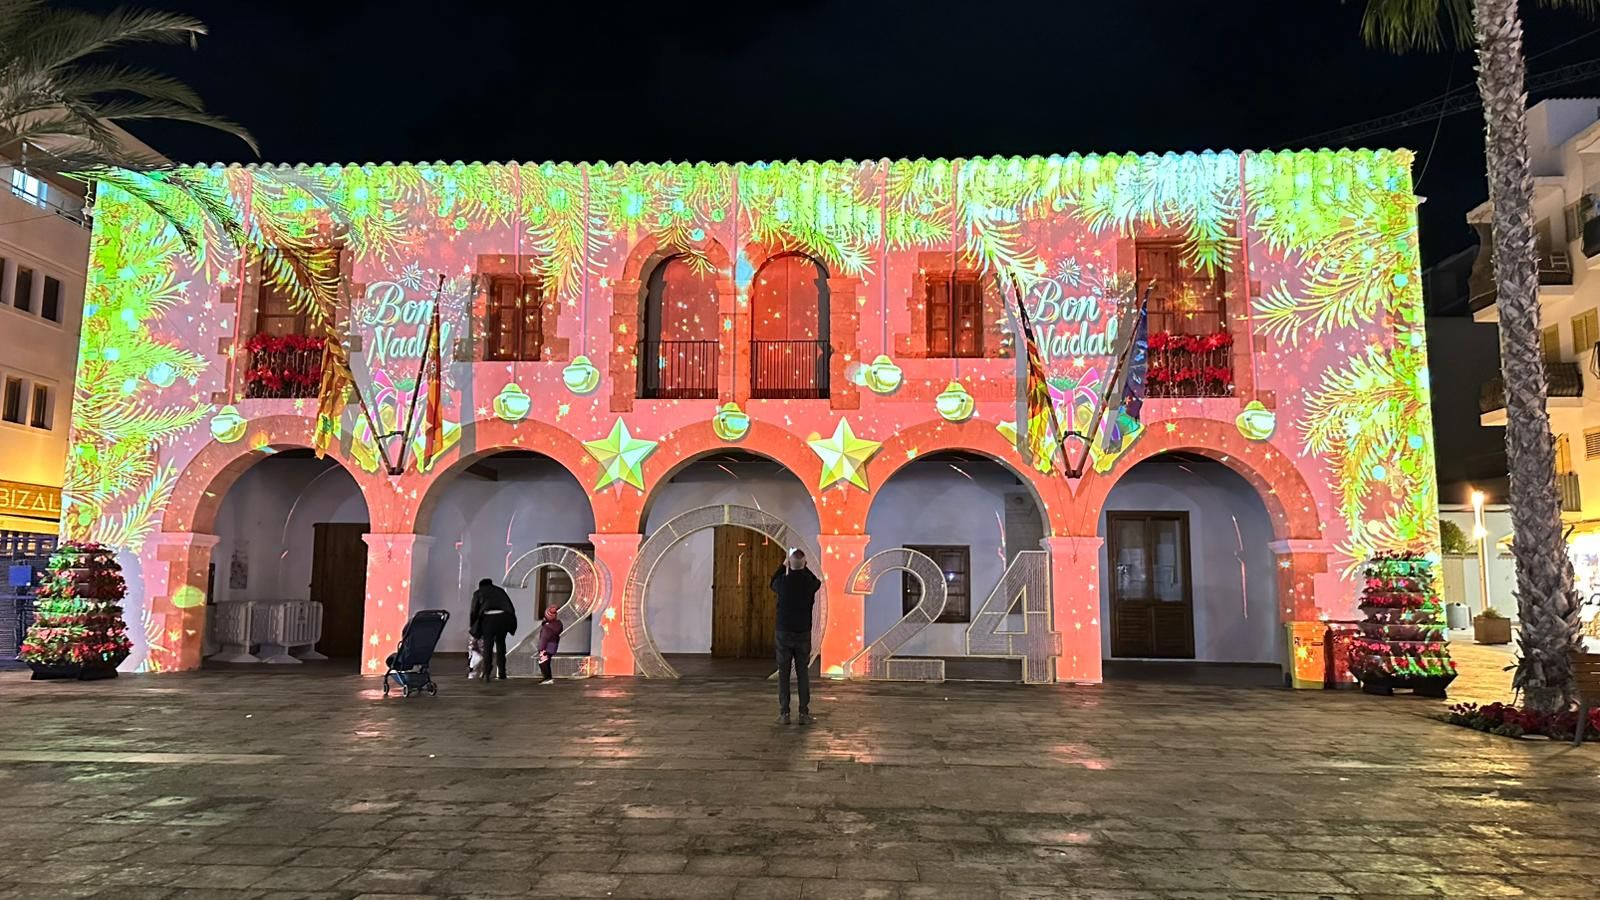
(1181,361)
(283,363)
(1190,343)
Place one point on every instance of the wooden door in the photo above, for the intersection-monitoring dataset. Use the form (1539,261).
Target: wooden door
(339,583)
(1152,600)
(743,607)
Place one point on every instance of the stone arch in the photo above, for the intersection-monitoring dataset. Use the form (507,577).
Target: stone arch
(628,311)
(1282,487)
(1050,493)
(204,482)
(680,448)
(485,437)
(648,660)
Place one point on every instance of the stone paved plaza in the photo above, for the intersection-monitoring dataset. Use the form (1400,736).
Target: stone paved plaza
(313,786)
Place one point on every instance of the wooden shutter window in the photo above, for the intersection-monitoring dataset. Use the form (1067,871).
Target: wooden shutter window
(1591,443)
(1550,338)
(516,325)
(1563,454)
(954,306)
(1585,331)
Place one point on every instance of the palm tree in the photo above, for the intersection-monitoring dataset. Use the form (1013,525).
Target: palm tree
(59,95)
(1547,602)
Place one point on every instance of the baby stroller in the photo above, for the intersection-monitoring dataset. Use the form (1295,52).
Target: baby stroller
(408,664)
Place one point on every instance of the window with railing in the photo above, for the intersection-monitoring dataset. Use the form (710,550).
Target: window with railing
(678,358)
(285,352)
(789,329)
(1191,349)
(955,314)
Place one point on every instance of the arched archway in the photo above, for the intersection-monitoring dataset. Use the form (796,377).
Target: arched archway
(648,659)
(692,443)
(1283,489)
(789,328)
(488,511)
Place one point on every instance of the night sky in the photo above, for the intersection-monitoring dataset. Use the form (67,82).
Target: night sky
(404,80)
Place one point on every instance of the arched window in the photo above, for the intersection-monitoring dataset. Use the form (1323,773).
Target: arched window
(679,358)
(789,329)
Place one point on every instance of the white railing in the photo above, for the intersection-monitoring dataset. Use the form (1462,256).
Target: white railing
(31,189)
(270,631)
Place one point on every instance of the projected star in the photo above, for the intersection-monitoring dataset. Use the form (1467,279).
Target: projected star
(621,456)
(844,456)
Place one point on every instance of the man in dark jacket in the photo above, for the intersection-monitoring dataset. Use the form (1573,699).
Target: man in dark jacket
(796,588)
(493,617)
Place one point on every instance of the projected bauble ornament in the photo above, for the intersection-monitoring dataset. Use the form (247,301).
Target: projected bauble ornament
(162,374)
(227,426)
(883,376)
(580,376)
(513,403)
(1256,422)
(954,403)
(731,423)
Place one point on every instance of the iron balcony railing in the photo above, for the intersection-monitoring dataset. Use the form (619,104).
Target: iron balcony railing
(789,370)
(25,186)
(679,370)
(1571,496)
(1565,379)
(1555,268)
(1177,372)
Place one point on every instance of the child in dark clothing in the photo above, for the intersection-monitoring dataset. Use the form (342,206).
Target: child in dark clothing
(549,638)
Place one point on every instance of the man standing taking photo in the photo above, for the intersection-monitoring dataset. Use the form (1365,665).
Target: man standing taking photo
(796,588)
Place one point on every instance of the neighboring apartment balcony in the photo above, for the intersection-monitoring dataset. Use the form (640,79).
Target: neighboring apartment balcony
(1571,496)
(35,191)
(1564,395)
(1555,279)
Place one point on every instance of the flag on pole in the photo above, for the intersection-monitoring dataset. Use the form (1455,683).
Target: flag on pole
(435,409)
(334,391)
(1042,442)
(1138,363)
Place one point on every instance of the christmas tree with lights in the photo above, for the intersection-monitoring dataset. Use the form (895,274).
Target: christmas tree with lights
(78,631)
(1401,643)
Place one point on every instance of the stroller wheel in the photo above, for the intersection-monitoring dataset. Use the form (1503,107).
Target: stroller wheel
(433,689)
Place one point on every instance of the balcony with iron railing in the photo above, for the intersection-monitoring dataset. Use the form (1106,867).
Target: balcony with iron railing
(1571,496)
(1555,271)
(1185,366)
(30,188)
(1564,379)
(789,370)
(678,370)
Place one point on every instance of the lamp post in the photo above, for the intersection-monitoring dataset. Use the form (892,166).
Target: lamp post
(1481,535)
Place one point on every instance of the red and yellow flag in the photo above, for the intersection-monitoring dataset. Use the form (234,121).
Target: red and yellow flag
(1042,441)
(432,436)
(334,391)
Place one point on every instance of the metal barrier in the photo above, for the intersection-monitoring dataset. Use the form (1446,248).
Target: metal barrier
(282,632)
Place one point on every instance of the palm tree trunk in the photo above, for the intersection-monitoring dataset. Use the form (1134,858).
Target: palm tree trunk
(1546,601)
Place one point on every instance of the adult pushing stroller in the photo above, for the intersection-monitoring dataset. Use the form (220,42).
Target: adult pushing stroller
(408,664)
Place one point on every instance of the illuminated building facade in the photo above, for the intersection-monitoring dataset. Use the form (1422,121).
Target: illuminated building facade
(640,358)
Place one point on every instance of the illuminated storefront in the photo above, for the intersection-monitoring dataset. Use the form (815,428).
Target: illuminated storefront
(677,370)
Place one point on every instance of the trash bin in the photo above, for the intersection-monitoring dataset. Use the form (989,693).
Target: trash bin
(1456,616)
(1308,662)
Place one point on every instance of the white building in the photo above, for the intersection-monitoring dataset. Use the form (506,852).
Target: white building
(44,254)
(1564,148)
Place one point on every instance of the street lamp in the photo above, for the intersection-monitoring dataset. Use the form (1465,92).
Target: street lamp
(1481,535)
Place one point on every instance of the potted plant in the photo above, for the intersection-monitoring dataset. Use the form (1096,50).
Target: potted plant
(1491,627)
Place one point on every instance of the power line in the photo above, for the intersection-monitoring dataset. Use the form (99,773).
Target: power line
(1461,100)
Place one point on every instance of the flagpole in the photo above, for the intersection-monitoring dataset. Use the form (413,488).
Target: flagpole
(1027,336)
(422,368)
(1099,415)
(372,422)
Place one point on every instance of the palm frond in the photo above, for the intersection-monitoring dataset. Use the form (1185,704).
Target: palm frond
(1401,25)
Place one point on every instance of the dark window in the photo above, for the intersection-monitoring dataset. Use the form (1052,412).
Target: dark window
(41,407)
(956,563)
(678,359)
(555,587)
(955,314)
(51,307)
(22,295)
(1185,299)
(516,318)
(12,410)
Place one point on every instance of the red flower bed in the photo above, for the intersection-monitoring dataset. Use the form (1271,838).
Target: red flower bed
(1508,720)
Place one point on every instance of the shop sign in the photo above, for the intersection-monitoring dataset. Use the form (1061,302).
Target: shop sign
(31,501)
